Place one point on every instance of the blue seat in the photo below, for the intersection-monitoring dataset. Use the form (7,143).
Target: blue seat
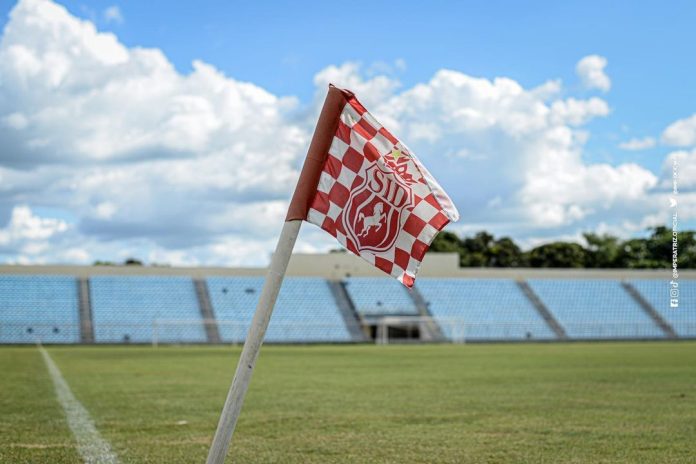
(125,309)
(39,308)
(681,318)
(482,309)
(595,309)
(378,296)
(305,312)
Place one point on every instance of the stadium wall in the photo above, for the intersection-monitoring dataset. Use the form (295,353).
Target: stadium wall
(338,266)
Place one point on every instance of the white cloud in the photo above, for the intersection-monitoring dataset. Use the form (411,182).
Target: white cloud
(84,96)
(24,226)
(105,210)
(518,152)
(16,121)
(113,14)
(30,236)
(495,143)
(197,168)
(685,170)
(681,133)
(578,112)
(590,69)
(638,144)
(548,89)
(372,92)
(130,146)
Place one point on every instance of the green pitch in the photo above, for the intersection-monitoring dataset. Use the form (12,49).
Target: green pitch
(555,403)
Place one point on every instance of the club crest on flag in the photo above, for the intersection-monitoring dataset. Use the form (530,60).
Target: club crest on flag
(373,214)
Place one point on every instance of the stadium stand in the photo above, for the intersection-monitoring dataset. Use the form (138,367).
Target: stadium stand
(379,297)
(338,298)
(682,318)
(595,309)
(305,312)
(126,309)
(38,308)
(490,309)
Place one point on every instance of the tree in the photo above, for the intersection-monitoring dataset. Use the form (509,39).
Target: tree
(506,253)
(557,254)
(446,242)
(687,249)
(476,250)
(602,250)
(634,253)
(659,246)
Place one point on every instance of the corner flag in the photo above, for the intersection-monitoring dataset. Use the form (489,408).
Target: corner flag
(367,189)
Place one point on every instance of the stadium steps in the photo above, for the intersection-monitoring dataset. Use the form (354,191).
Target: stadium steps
(649,310)
(347,309)
(543,311)
(210,325)
(430,331)
(85,308)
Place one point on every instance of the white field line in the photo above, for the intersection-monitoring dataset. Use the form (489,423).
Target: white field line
(90,444)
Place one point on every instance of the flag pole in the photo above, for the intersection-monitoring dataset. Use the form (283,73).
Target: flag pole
(252,345)
(297,212)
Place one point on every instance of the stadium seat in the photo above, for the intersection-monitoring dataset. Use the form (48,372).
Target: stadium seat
(134,309)
(681,318)
(482,309)
(595,309)
(305,312)
(380,296)
(39,308)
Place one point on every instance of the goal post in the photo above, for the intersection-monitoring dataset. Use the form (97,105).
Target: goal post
(448,330)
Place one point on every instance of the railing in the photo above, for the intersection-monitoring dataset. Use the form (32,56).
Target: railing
(458,330)
(235,332)
(454,330)
(18,332)
(613,330)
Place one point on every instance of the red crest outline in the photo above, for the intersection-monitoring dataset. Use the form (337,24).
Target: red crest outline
(373,214)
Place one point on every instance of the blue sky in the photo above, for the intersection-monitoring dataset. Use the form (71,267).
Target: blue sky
(282,47)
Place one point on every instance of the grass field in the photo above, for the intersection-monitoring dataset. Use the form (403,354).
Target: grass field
(555,403)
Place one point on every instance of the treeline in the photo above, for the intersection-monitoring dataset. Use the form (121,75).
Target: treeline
(600,251)
(128,262)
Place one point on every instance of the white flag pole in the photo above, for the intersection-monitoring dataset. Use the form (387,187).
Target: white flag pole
(252,345)
(297,212)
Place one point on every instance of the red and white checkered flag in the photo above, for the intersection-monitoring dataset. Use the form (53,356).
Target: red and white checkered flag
(366,188)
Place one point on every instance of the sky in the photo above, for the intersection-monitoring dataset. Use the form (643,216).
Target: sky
(174,132)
